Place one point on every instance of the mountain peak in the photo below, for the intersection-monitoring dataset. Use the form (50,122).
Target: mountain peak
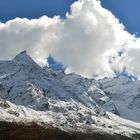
(23,59)
(22,55)
(23,52)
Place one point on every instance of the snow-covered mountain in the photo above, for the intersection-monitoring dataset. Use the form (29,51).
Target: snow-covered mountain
(30,93)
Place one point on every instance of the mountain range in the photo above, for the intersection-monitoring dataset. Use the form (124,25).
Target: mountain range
(40,103)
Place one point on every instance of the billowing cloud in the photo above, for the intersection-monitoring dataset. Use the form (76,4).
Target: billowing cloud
(130,60)
(31,35)
(84,41)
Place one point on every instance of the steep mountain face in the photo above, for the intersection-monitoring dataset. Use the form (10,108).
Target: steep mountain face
(69,103)
(124,97)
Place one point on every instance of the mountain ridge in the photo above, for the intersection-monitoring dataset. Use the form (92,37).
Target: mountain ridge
(30,93)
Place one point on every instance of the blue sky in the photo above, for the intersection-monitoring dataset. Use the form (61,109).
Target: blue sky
(126,10)
(10,9)
(54,64)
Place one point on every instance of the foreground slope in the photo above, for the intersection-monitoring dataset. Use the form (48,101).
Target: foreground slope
(69,105)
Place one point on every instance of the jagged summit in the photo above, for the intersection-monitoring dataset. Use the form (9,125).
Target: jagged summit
(68,102)
(24,59)
(22,54)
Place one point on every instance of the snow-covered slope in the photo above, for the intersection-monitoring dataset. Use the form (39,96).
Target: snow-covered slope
(30,93)
(124,97)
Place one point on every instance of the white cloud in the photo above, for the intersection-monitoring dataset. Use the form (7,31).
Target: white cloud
(83,41)
(31,35)
(130,59)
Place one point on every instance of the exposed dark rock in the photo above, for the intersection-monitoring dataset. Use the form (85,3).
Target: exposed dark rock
(32,131)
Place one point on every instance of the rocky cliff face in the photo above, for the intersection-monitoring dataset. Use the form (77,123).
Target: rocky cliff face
(70,104)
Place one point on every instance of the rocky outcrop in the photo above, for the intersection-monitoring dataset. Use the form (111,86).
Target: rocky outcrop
(32,131)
